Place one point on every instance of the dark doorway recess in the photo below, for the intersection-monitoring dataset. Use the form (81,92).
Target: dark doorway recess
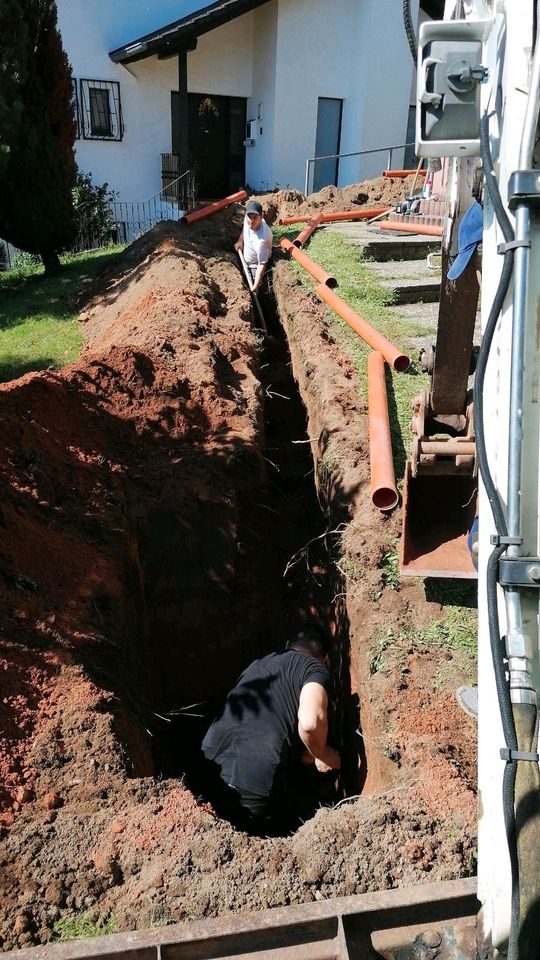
(216,132)
(327,143)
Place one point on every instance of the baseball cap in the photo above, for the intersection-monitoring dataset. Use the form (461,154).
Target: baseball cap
(469,235)
(253,206)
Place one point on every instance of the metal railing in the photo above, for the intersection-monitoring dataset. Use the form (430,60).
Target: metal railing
(128,220)
(357,153)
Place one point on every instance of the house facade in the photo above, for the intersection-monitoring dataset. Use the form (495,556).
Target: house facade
(241,91)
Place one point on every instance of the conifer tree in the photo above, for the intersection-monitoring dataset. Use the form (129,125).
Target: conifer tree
(36,212)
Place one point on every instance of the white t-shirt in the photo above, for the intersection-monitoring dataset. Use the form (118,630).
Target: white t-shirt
(257,244)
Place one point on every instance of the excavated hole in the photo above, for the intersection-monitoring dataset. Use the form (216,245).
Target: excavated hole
(285,576)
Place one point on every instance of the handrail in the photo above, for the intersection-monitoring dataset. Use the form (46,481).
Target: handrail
(357,153)
(186,173)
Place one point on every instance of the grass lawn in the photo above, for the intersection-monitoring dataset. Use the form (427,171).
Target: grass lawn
(358,285)
(39,325)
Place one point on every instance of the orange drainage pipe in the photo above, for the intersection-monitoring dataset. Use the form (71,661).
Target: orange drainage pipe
(383,479)
(401,174)
(213,207)
(307,231)
(396,359)
(366,214)
(308,264)
(427,230)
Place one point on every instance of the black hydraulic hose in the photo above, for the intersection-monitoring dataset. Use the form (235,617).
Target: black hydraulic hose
(409,29)
(496,307)
(497,644)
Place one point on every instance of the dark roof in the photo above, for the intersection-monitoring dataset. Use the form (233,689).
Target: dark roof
(182,34)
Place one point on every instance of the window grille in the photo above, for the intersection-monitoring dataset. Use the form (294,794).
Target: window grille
(76,108)
(101,111)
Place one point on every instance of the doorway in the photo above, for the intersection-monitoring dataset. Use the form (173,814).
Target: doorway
(327,142)
(216,131)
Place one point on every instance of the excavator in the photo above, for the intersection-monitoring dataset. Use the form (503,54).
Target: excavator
(475,450)
(476,454)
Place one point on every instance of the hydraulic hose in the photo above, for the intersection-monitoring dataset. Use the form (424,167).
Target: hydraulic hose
(409,30)
(496,643)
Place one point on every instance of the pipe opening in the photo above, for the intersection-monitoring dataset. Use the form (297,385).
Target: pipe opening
(401,363)
(385,498)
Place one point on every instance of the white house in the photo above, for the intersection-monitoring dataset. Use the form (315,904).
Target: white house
(241,91)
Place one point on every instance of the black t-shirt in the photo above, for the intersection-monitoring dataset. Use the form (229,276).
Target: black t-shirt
(257,728)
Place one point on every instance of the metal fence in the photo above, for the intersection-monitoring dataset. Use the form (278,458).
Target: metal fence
(389,151)
(126,220)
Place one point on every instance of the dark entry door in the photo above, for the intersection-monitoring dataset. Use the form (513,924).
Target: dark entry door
(216,131)
(327,142)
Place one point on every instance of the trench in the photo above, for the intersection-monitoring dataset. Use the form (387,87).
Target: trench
(278,542)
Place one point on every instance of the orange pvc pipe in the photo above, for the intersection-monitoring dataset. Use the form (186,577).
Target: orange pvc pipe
(365,214)
(383,479)
(427,230)
(307,231)
(213,207)
(403,173)
(399,361)
(308,264)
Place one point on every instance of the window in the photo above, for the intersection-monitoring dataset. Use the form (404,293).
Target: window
(100,108)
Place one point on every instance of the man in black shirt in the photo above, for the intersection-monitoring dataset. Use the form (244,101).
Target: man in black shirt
(273,721)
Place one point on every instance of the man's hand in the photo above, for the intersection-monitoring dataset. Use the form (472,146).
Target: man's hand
(239,245)
(334,761)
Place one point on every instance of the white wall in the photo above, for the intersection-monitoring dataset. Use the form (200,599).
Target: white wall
(285,55)
(221,64)
(340,50)
(259,159)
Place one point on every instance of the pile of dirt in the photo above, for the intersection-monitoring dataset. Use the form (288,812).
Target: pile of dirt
(135,534)
(380,192)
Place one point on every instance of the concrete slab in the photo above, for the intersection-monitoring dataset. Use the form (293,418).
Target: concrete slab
(373,244)
(408,281)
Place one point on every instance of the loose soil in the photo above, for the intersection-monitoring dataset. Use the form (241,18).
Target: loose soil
(153,495)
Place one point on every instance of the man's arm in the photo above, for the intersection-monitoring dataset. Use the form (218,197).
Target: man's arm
(261,267)
(313,726)
(239,245)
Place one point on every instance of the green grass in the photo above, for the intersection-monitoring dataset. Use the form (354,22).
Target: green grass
(39,325)
(80,927)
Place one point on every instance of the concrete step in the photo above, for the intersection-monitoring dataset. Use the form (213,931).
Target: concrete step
(424,314)
(408,281)
(373,244)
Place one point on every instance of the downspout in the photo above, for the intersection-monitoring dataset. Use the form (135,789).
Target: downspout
(362,214)
(213,207)
(371,336)
(307,263)
(425,229)
(383,480)
(401,174)
(307,231)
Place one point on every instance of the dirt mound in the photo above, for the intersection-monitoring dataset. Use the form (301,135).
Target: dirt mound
(383,191)
(142,564)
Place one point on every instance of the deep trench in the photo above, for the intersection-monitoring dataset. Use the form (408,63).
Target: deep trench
(284,577)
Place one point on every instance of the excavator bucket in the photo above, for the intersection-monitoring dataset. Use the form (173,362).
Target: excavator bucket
(438,512)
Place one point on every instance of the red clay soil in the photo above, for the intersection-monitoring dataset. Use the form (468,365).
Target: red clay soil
(131,582)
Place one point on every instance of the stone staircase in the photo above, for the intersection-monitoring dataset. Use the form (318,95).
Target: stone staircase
(400,262)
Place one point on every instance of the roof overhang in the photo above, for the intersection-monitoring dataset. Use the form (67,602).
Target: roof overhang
(182,34)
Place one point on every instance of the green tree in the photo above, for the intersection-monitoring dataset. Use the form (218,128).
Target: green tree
(36,212)
(13,31)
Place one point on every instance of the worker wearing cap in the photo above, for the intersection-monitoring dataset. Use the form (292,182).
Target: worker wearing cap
(271,736)
(255,242)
